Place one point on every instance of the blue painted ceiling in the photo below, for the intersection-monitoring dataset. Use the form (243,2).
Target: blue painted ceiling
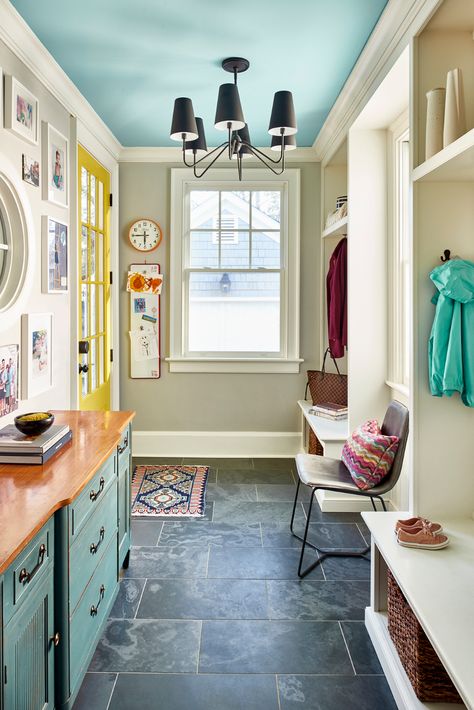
(131,58)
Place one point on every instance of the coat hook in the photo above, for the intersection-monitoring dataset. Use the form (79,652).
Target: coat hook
(447,255)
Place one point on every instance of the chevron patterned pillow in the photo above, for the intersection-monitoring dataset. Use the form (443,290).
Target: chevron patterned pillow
(369,454)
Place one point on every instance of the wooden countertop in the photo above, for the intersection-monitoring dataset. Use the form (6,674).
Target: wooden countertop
(29,495)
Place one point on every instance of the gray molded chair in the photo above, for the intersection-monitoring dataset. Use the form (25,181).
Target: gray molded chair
(321,473)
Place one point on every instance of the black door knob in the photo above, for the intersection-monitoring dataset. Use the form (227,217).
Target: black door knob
(83,368)
(83,347)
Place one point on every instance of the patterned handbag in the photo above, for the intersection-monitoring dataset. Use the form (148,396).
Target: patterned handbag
(325,387)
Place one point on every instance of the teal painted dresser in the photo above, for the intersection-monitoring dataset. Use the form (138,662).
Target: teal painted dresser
(64,535)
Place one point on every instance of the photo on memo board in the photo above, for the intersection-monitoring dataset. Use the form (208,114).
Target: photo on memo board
(37,353)
(55,166)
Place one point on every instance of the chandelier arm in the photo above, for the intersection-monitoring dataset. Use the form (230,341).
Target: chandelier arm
(281,159)
(208,155)
(263,160)
(188,165)
(211,163)
(239,165)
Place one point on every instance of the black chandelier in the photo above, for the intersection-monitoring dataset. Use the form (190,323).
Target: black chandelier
(188,129)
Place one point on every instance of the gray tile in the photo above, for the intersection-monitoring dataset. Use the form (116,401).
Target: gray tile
(196,461)
(167,562)
(318,516)
(232,491)
(346,568)
(279,534)
(245,475)
(145,532)
(364,530)
(95,691)
(203,599)
(335,693)
(273,647)
(272,492)
(177,534)
(222,464)
(236,512)
(275,464)
(148,646)
(126,604)
(361,649)
(199,692)
(315,600)
(254,563)
(336,536)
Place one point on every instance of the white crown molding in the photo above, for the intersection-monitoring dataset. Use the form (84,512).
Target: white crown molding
(401,20)
(22,41)
(173,155)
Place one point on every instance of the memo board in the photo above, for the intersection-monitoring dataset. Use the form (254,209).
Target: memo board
(145,328)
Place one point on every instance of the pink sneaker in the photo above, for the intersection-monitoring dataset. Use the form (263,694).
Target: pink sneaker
(423,539)
(414,524)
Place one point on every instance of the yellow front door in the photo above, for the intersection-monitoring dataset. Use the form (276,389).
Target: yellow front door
(94,283)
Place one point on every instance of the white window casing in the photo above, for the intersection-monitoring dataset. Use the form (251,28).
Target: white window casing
(287,360)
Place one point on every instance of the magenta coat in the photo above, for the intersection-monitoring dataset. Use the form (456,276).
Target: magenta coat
(336,292)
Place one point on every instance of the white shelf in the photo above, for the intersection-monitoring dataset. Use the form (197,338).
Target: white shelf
(337,229)
(439,586)
(453,163)
(325,429)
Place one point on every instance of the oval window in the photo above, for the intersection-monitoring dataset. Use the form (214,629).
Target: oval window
(13,244)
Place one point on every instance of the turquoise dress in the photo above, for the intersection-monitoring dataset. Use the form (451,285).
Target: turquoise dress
(451,344)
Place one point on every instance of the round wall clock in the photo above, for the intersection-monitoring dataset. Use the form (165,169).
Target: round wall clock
(145,234)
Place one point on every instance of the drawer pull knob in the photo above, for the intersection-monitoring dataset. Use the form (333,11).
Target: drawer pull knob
(26,576)
(121,449)
(95,545)
(95,609)
(55,639)
(95,494)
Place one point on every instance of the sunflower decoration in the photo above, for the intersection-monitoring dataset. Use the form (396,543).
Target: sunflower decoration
(144,284)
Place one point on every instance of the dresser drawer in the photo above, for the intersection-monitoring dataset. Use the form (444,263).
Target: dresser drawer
(28,569)
(92,610)
(91,496)
(90,544)
(123,448)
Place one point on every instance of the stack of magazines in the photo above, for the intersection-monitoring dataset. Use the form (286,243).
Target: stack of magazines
(329,410)
(18,448)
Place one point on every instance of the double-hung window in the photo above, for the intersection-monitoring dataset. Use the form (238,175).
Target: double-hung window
(235,273)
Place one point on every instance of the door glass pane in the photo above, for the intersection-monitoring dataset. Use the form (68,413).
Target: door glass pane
(266,249)
(93,310)
(84,253)
(100,256)
(235,253)
(84,194)
(100,291)
(101,360)
(84,312)
(93,200)
(100,198)
(93,365)
(84,377)
(204,206)
(92,256)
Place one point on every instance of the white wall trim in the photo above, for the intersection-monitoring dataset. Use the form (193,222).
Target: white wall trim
(173,155)
(228,365)
(399,21)
(231,444)
(20,38)
(331,502)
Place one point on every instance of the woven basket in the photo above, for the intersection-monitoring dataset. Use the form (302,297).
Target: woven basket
(427,675)
(314,445)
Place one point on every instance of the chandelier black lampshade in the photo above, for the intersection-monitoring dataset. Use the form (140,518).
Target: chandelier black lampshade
(290,142)
(183,125)
(283,117)
(229,109)
(198,146)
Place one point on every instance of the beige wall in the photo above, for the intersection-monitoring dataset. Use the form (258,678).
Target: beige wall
(11,149)
(214,402)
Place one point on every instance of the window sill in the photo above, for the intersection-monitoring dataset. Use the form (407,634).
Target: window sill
(397,387)
(235,365)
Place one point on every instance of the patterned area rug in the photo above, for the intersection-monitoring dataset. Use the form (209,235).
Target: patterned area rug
(169,491)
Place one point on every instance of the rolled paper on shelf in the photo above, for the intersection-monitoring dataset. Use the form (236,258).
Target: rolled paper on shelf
(434,121)
(454,113)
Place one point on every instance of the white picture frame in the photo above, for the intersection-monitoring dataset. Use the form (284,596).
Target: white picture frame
(55,256)
(55,166)
(21,110)
(1,98)
(36,353)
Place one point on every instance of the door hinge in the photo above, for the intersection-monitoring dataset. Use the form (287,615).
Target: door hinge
(111,354)
(110,200)
(111,278)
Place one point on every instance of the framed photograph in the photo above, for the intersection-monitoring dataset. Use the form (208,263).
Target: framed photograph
(30,170)
(37,353)
(55,163)
(21,110)
(1,98)
(55,256)
(9,373)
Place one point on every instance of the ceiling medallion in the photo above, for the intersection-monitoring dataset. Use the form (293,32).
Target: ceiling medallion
(188,129)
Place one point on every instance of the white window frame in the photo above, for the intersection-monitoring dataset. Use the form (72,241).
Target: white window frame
(398,351)
(288,361)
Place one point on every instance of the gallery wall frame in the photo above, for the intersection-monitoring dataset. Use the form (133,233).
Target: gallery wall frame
(36,353)
(21,110)
(55,255)
(55,166)
(9,378)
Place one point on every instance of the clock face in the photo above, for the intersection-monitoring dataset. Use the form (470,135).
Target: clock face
(145,235)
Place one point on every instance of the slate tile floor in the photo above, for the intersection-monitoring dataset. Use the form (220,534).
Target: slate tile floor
(211,614)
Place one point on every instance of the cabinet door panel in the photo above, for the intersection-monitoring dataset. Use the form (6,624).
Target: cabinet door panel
(29,652)
(124,503)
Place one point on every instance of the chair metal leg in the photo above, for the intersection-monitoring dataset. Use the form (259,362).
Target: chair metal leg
(373,503)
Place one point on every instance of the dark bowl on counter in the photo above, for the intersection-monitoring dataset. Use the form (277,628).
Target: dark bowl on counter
(33,427)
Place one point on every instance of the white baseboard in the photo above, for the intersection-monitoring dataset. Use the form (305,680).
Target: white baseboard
(215,444)
(330,502)
(402,691)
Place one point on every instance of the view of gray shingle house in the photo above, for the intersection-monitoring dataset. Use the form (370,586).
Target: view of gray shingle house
(235,302)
